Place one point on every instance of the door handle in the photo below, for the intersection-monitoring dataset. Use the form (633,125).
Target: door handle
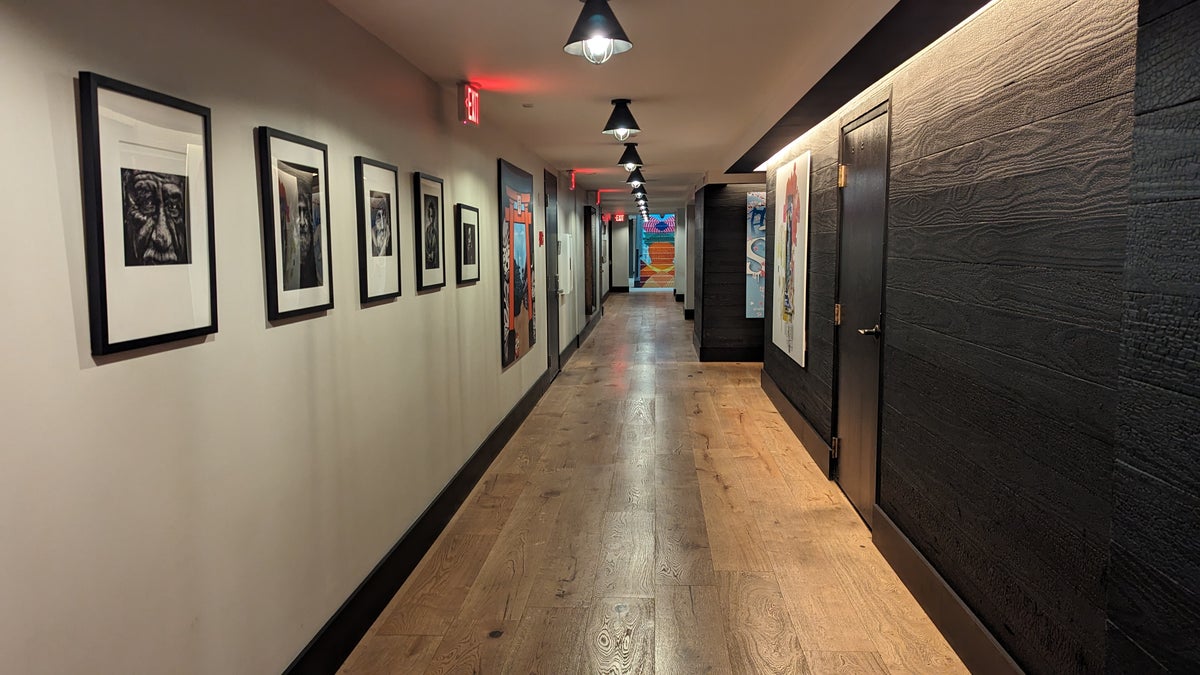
(870,331)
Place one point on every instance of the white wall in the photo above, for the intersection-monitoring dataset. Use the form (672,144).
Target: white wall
(571,317)
(206,508)
(689,299)
(620,254)
(681,262)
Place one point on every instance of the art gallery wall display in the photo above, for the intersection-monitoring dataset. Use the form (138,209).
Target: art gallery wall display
(148,216)
(756,254)
(430,229)
(517,307)
(790,310)
(378,192)
(294,181)
(466,223)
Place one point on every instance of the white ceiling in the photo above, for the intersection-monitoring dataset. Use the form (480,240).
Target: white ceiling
(707,77)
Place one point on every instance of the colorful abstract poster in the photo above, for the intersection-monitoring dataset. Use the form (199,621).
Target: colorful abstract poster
(656,252)
(756,254)
(790,305)
(517,315)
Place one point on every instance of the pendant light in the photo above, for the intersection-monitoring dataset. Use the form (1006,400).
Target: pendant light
(636,179)
(597,35)
(621,124)
(630,159)
(639,191)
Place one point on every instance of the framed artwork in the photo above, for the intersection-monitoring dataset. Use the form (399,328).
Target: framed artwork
(148,216)
(756,254)
(518,331)
(430,231)
(294,175)
(791,257)
(466,223)
(378,191)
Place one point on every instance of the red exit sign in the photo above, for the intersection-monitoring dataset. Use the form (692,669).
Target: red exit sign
(468,103)
(620,217)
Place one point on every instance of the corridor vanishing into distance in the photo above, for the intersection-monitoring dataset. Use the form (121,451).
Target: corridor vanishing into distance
(653,515)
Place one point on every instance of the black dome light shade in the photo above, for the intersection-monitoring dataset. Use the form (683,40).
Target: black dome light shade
(630,159)
(597,35)
(636,179)
(621,124)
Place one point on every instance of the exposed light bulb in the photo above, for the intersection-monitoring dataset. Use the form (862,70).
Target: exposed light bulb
(630,166)
(636,183)
(622,134)
(598,49)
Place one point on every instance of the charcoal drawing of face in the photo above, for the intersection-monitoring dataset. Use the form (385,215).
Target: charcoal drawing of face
(381,224)
(298,196)
(155,218)
(433,245)
(468,244)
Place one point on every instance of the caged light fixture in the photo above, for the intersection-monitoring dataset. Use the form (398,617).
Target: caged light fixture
(621,124)
(630,159)
(597,35)
(636,179)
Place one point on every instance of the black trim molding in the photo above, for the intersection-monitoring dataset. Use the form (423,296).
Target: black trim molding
(565,356)
(342,633)
(816,446)
(974,643)
(619,289)
(689,314)
(679,297)
(743,354)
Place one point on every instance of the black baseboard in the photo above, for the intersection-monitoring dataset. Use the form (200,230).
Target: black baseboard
(689,314)
(342,633)
(619,289)
(746,354)
(816,446)
(974,643)
(591,326)
(679,297)
(572,347)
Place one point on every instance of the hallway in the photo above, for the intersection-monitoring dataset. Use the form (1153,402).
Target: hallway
(653,515)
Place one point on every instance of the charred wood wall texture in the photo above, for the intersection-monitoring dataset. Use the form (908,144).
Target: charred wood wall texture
(1154,578)
(1008,205)
(810,388)
(722,331)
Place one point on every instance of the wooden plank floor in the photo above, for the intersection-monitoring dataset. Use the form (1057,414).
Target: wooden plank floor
(653,515)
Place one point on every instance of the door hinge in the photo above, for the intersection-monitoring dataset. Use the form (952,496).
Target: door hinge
(841,175)
(837,447)
(837,314)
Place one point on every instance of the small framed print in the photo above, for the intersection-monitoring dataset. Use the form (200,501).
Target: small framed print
(294,180)
(378,191)
(466,222)
(430,229)
(148,214)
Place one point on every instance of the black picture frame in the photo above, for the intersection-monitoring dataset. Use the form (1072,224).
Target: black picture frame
(426,250)
(466,243)
(279,304)
(368,249)
(146,263)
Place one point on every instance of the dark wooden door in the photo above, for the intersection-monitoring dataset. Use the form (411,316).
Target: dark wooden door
(552,284)
(589,260)
(860,293)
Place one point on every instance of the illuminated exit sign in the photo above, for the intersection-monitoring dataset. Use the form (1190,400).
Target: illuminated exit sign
(620,217)
(468,103)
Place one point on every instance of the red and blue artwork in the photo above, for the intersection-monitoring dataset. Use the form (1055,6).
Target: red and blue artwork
(656,252)
(756,254)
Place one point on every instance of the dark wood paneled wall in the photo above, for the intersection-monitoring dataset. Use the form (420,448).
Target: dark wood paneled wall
(810,388)
(1008,206)
(1154,587)
(722,331)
